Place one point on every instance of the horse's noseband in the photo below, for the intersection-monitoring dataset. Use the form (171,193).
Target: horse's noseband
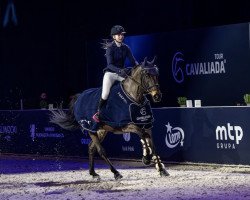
(153,90)
(155,93)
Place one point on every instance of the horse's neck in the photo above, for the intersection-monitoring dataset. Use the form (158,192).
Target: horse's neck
(133,90)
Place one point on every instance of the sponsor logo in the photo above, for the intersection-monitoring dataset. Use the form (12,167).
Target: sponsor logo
(127,138)
(7,138)
(182,68)
(122,97)
(128,148)
(143,111)
(144,115)
(10,130)
(86,140)
(32,131)
(48,133)
(228,136)
(174,136)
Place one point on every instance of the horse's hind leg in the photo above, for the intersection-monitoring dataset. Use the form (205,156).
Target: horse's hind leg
(92,151)
(96,139)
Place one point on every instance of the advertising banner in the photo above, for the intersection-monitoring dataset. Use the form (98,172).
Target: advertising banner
(210,64)
(29,132)
(209,135)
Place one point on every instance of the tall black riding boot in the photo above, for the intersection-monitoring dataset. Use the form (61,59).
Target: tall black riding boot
(100,105)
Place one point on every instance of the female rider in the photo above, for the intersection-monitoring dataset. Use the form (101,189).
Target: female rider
(116,54)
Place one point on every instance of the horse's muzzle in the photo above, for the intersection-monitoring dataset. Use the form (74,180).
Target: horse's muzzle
(156,96)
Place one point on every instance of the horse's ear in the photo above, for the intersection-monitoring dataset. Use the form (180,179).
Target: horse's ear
(153,61)
(144,62)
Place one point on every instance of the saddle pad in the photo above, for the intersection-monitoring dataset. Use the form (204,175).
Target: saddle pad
(118,111)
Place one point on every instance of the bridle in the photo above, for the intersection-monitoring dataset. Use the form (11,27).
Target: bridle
(146,89)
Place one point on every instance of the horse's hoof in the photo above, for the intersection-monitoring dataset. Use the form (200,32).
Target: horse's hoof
(118,176)
(146,160)
(96,178)
(164,172)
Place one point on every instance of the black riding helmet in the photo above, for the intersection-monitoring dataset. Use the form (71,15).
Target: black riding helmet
(117,29)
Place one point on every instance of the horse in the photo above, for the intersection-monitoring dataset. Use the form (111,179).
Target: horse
(142,81)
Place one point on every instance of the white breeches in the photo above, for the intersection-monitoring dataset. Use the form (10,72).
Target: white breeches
(108,80)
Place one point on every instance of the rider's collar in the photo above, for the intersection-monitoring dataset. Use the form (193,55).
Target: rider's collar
(118,44)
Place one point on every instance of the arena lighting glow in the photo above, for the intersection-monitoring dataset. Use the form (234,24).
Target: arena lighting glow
(249,34)
(141,46)
(10,14)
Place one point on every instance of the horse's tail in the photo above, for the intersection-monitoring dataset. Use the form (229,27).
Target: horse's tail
(66,120)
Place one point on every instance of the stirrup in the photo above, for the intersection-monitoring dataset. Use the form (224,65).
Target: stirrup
(96,117)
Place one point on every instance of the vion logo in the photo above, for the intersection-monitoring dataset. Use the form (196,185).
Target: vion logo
(228,136)
(174,136)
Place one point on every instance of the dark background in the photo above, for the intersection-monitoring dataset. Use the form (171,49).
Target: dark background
(46,51)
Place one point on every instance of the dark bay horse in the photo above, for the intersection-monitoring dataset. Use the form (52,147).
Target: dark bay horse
(143,80)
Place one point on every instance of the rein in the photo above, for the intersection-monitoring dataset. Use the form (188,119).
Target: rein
(147,90)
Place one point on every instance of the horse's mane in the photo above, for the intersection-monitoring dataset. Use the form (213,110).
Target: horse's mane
(135,68)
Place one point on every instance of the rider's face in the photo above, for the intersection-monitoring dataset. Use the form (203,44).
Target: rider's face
(119,37)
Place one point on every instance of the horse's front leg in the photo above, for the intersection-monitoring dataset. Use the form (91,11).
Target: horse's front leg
(145,140)
(101,152)
(147,147)
(146,150)
(149,153)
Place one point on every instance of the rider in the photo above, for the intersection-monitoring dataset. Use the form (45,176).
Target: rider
(116,54)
